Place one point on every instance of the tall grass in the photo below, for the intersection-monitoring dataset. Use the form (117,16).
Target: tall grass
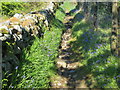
(8,9)
(38,60)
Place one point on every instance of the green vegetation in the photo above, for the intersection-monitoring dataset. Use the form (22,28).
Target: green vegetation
(94,47)
(60,13)
(11,8)
(91,48)
(38,61)
(68,6)
(8,9)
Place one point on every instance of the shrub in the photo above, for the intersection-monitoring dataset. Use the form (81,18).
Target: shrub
(10,8)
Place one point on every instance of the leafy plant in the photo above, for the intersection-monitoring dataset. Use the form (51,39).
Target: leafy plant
(9,8)
(37,64)
(95,46)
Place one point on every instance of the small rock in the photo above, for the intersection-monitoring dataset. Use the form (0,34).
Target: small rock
(4,29)
(59,84)
(1,34)
(65,82)
(3,38)
(20,36)
(4,23)
(18,15)
(61,63)
(60,56)
(46,22)
(8,36)
(50,7)
(72,66)
(17,27)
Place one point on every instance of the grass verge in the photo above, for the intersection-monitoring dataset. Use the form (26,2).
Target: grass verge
(37,64)
(94,46)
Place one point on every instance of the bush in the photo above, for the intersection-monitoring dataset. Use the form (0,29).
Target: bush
(10,8)
(38,60)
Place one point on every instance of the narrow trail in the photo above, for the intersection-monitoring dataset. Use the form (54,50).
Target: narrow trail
(69,71)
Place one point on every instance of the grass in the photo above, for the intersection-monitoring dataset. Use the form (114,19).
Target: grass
(68,6)
(37,61)
(94,46)
(8,9)
(60,14)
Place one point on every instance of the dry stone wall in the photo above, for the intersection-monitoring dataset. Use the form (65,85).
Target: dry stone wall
(17,33)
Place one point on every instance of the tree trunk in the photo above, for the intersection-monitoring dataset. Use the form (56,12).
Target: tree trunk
(79,5)
(94,10)
(114,35)
(85,8)
(95,15)
(119,31)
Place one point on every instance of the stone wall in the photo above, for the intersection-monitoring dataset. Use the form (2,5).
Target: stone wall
(18,32)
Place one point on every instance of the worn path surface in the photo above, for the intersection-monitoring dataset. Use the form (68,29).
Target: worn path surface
(70,71)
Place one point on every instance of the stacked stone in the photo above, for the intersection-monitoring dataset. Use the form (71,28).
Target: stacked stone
(18,31)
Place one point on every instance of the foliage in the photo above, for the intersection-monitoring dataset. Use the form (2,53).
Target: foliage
(38,61)
(67,6)
(10,8)
(95,48)
(60,14)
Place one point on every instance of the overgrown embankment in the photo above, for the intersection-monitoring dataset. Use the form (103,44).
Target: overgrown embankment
(38,61)
(30,44)
(99,65)
(8,9)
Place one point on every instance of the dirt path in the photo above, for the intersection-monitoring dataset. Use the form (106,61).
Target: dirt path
(69,71)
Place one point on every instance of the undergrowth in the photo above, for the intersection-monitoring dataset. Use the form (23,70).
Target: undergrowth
(67,6)
(95,48)
(38,62)
(8,9)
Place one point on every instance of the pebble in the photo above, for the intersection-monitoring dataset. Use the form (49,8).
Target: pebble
(17,15)
(17,27)
(71,66)
(59,84)
(3,38)
(61,63)
(7,35)
(1,34)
